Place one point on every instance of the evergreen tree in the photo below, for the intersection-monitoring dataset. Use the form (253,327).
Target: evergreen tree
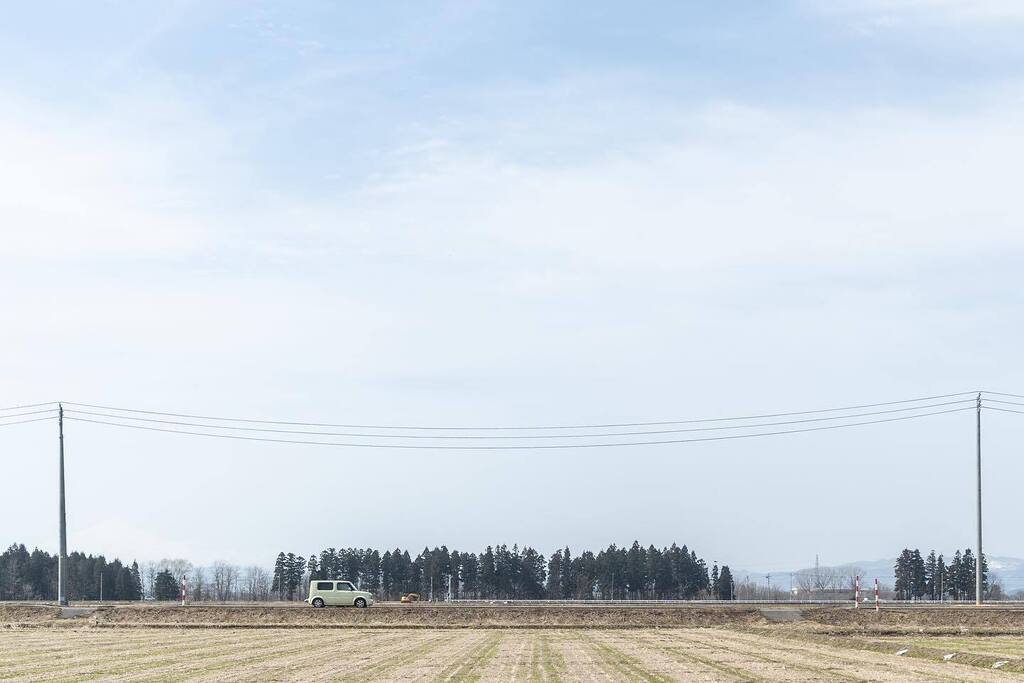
(918,578)
(955,576)
(280,575)
(471,575)
(136,584)
(554,583)
(723,587)
(636,570)
(931,574)
(371,576)
(967,574)
(941,578)
(532,574)
(294,568)
(166,588)
(328,564)
(903,572)
(568,575)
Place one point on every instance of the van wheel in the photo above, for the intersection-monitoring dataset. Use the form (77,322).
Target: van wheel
(318,602)
(360,602)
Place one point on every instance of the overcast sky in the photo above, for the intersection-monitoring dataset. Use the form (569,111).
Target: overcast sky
(520,213)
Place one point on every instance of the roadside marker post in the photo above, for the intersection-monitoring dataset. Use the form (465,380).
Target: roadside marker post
(182,590)
(856,591)
(877,606)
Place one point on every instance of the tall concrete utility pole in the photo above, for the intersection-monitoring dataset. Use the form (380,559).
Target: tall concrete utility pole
(977,559)
(62,561)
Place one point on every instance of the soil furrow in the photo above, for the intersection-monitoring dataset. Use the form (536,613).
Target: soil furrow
(699,665)
(879,663)
(743,649)
(628,667)
(466,667)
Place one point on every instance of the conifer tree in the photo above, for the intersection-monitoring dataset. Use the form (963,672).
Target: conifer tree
(967,572)
(568,575)
(313,568)
(280,573)
(941,578)
(471,575)
(723,587)
(918,580)
(165,587)
(554,582)
(136,585)
(931,568)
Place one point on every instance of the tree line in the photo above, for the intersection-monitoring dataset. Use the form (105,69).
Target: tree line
(32,575)
(920,578)
(501,573)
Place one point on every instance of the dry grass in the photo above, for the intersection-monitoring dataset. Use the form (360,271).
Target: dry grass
(463,655)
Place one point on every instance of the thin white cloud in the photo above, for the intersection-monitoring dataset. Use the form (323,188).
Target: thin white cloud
(731,254)
(897,13)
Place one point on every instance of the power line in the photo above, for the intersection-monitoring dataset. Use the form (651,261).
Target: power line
(1000,393)
(29,405)
(1004,410)
(33,412)
(516,437)
(1009,403)
(522,427)
(518,447)
(34,419)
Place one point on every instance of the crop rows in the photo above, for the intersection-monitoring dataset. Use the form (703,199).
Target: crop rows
(543,655)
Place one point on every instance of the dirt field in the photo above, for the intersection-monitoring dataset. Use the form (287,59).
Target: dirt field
(823,620)
(509,643)
(395,616)
(316,654)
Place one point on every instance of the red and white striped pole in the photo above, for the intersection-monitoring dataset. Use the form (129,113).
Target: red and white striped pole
(856,591)
(877,606)
(182,590)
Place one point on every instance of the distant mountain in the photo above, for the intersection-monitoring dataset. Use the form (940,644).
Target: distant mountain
(1009,571)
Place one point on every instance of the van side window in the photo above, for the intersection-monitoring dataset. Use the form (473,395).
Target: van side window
(345,586)
(324,585)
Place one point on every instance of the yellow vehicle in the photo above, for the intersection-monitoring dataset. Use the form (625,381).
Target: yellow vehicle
(341,593)
(411,597)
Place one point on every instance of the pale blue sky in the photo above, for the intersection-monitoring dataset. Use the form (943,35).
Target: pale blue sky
(511,213)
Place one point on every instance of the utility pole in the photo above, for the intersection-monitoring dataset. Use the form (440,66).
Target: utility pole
(977,559)
(62,561)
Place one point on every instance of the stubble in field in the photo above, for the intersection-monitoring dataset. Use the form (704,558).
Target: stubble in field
(543,655)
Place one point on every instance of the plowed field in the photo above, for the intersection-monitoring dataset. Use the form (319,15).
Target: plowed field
(317,654)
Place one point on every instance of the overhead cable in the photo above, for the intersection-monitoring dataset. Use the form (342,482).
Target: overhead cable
(517,447)
(71,411)
(29,405)
(522,427)
(34,419)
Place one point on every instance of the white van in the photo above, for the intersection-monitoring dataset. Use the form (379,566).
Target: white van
(343,593)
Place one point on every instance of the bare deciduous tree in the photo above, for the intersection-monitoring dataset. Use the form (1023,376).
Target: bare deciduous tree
(225,580)
(257,583)
(198,583)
